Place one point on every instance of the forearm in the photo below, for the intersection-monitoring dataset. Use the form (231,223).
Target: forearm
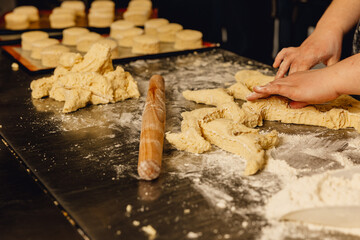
(340,16)
(346,75)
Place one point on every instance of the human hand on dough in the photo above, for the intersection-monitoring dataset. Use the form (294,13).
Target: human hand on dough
(315,86)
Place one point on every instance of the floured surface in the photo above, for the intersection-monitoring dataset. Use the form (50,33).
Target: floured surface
(88,160)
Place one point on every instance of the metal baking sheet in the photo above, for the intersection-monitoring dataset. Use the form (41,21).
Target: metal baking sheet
(88,159)
(123,54)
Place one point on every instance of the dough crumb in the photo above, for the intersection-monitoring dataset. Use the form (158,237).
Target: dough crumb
(128,208)
(136,223)
(193,235)
(15,66)
(150,231)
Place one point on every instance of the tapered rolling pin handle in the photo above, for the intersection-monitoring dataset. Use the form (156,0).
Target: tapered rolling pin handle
(152,130)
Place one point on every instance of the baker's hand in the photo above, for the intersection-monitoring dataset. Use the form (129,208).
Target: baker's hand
(303,88)
(322,46)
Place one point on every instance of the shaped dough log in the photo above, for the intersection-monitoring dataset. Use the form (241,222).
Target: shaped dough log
(243,141)
(252,78)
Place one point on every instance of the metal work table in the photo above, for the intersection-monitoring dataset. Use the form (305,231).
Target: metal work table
(87,160)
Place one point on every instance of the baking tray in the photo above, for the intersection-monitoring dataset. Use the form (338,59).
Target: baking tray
(8,36)
(124,54)
(87,160)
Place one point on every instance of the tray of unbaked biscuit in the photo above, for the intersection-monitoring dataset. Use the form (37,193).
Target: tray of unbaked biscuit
(99,17)
(39,52)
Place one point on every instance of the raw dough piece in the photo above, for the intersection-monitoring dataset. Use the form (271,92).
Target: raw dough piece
(344,112)
(61,20)
(119,26)
(152,25)
(167,32)
(112,44)
(190,138)
(125,38)
(27,38)
(241,140)
(60,10)
(103,4)
(39,45)
(84,42)
(137,16)
(226,126)
(15,21)
(101,17)
(30,11)
(188,39)
(78,6)
(50,55)
(146,44)
(70,35)
(79,81)
(231,110)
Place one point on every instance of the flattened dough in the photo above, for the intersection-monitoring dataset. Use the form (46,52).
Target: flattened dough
(344,112)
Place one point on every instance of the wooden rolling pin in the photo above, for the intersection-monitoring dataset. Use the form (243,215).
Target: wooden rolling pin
(152,130)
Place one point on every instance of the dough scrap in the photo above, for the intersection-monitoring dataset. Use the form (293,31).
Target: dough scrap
(226,126)
(241,140)
(92,79)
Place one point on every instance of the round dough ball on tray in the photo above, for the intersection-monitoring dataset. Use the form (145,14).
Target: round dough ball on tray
(15,21)
(146,44)
(140,3)
(39,45)
(70,35)
(167,32)
(188,39)
(50,55)
(152,25)
(27,38)
(119,26)
(125,38)
(31,11)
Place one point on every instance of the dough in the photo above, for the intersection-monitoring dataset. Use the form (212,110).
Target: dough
(103,4)
(79,81)
(84,42)
(39,45)
(125,38)
(70,35)
(30,11)
(226,126)
(344,112)
(167,32)
(146,44)
(112,44)
(188,39)
(60,10)
(241,140)
(101,17)
(27,38)
(137,16)
(119,26)
(15,21)
(78,6)
(50,55)
(61,20)
(152,25)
